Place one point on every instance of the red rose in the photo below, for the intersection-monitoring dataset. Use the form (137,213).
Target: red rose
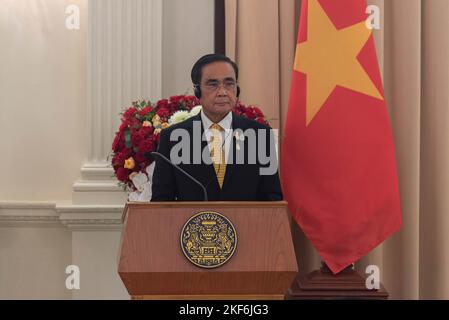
(177,99)
(122,174)
(250,113)
(114,162)
(156,137)
(190,102)
(147,145)
(123,126)
(136,167)
(135,124)
(119,142)
(162,103)
(119,158)
(146,131)
(140,158)
(172,107)
(137,138)
(130,113)
(257,111)
(262,121)
(145,111)
(163,112)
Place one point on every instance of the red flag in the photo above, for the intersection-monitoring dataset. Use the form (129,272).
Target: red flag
(338,163)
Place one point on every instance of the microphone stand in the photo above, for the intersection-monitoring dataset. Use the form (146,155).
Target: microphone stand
(160,155)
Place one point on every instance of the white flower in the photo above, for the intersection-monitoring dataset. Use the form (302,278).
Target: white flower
(139,180)
(133,196)
(182,115)
(143,183)
(195,110)
(179,116)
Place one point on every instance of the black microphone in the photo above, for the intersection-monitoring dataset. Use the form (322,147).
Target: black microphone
(160,155)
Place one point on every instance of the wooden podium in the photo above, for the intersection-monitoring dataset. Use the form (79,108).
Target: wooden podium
(152,264)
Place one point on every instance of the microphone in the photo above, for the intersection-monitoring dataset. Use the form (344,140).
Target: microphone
(160,155)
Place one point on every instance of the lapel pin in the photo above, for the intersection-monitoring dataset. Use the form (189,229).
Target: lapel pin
(238,136)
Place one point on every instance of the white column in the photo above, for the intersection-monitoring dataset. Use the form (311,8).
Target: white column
(124,65)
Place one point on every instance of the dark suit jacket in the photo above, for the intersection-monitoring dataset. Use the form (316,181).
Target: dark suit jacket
(242,182)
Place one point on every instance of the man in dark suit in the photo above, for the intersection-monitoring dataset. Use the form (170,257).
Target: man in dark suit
(237,157)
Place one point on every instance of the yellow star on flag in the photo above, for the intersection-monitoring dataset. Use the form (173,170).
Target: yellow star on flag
(329,59)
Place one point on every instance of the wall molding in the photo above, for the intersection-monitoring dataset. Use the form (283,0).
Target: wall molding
(74,217)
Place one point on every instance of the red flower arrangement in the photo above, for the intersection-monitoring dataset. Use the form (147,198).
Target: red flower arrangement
(138,134)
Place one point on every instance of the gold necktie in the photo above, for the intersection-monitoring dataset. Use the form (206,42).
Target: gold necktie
(218,153)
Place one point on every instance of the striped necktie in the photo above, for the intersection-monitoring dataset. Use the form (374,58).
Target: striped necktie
(218,153)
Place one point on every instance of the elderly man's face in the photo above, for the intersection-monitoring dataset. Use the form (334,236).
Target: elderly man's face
(218,90)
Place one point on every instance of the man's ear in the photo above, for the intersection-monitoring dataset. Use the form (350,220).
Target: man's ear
(197,91)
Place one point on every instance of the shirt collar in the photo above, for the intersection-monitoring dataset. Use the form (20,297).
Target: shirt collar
(225,123)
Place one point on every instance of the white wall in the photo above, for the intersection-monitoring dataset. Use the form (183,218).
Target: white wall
(42,99)
(98,280)
(43,145)
(188,33)
(33,261)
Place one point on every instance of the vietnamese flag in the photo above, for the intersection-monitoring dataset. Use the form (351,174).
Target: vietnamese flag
(338,162)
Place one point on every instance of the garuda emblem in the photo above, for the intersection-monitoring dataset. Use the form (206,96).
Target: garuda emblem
(208,239)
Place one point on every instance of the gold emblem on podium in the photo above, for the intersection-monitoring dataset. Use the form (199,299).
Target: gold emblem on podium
(208,239)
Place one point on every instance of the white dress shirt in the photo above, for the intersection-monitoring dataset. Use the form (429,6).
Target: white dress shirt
(226,134)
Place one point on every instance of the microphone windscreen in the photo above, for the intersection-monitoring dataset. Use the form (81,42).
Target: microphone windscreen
(149,156)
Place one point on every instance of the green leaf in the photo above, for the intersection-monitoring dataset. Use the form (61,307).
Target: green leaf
(150,115)
(128,138)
